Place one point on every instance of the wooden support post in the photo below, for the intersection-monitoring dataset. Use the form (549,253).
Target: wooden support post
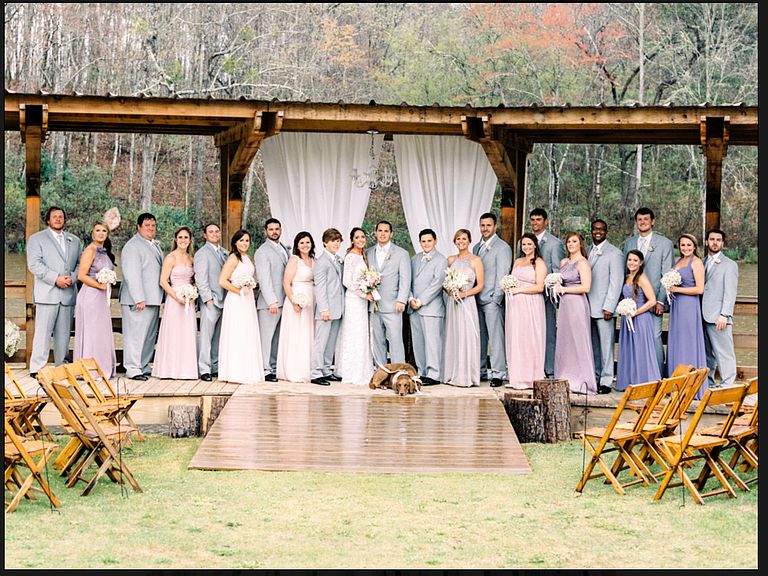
(714,132)
(555,396)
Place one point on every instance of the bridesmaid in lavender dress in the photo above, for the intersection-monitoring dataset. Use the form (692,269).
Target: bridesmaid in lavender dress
(637,361)
(685,344)
(573,344)
(93,319)
(176,349)
(297,327)
(461,355)
(525,319)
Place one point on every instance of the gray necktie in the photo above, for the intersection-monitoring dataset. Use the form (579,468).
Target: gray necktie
(592,255)
(642,245)
(63,246)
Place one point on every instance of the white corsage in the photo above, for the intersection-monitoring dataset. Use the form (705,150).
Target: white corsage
(669,279)
(552,282)
(508,282)
(187,294)
(627,308)
(12,338)
(300,299)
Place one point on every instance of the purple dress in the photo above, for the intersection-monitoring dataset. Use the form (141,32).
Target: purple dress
(176,350)
(637,350)
(573,342)
(93,320)
(685,343)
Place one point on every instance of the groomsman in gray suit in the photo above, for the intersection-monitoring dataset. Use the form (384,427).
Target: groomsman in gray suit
(497,263)
(552,252)
(393,263)
(329,308)
(657,251)
(426,307)
(721,279)
(53,256)
(208,263)
(140,297)
(270,260)
(607,265)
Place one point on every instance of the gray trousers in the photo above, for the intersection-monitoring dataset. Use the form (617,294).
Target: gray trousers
(139,337)
(550,312)
(210,332)
(657,325)
(387,327)
(324,346)
(269,331)
(51,320)
(603,340)
(720,353)
(491,318)
(427,339)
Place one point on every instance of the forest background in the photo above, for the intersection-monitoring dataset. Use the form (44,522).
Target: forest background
(580,54)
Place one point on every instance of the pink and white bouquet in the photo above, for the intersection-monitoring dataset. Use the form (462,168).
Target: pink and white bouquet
(187,293)
(669,279)
(455,281)
(106,276)
(627,308)
(368,282)
(301,299)
(508,282)
(552,284)
(249,283)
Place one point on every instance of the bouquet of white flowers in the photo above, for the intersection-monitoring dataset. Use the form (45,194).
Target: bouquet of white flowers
(249,283)
(300,299)
(455,281)
(508,282)
(669,279)
(627,308)
(552,281)
(187,293)
(12,338)
(368,282)
(106,276)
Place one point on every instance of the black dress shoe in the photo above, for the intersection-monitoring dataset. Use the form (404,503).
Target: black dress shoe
(332,378)
(142,377)
(214,374)
(206,377)
(33,374)
(604,389)
(496,382)
(427,381)
(320,381)
(270,378)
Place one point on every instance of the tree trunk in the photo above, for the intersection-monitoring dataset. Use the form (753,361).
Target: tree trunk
(183,421)
(526,416)
(147,171)
(555,396)
(199,171)
(211,408)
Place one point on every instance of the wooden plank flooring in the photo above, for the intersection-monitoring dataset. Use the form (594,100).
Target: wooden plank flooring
(362,433)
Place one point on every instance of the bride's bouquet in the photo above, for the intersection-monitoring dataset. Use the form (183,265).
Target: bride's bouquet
(627,308)
(669,279)
(247,284)
(455,281)
(301,299)
(508,282)
(12,338)
(108,277)
(187,293)
(552,281)
(368,282)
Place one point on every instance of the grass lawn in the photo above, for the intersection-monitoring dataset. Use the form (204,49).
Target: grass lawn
(250,519)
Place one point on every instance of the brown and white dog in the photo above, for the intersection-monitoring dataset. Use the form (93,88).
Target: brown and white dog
(402,378)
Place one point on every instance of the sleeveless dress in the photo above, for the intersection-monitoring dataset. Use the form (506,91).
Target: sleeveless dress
(685,342)
(461,355)
(525,328)
(176,349)
(297,329)
(637,362)
(240,358)
(93,320)
(353,348)
(573,343)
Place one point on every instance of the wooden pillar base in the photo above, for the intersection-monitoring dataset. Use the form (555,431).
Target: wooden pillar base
(555,396)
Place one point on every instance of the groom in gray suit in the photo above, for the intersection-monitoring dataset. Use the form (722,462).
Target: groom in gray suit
(140,296)
(426,307)
(208,263)
(270,260)
(497,263)
(386,315)
(721,279)
(657,251)
(329,308)
(607,265)
(53,257)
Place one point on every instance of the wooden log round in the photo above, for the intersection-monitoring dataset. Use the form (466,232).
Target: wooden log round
(555,396)
(211,408)
(183,421)
(526,416)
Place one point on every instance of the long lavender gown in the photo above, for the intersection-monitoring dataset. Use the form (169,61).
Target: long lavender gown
(461,355)
(176,350)
(685,343)
(637,350)
(93,320)
(525,330)
(573,343)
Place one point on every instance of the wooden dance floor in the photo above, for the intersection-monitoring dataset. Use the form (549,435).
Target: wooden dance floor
(361,433)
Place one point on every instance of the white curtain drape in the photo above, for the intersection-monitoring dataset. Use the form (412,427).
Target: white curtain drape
(309,182)
(446,183)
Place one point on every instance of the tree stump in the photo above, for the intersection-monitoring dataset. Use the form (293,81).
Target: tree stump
(527,417)
(211,408)
(183,421)
(555,396)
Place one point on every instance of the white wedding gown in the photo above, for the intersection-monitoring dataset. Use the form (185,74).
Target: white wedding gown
(353,348)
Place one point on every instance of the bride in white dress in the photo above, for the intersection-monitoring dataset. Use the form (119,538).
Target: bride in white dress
(354,348)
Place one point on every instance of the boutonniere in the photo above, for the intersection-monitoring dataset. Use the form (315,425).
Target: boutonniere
(543,239)
(650,248)
(427,257)
(338,260)
(388,256)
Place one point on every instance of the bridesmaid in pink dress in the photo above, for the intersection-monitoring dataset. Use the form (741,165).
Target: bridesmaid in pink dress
(176,350)
(525,324)
(297,327)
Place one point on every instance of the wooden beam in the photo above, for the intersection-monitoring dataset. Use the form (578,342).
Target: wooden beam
(714,133)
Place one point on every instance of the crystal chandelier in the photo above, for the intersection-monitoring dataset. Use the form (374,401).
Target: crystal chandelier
(373,177)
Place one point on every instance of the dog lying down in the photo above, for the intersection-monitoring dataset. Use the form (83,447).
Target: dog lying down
(402,378)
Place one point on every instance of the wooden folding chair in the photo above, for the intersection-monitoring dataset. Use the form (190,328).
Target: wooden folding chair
(30,422)
(694,446)
(25,453)
(611,438)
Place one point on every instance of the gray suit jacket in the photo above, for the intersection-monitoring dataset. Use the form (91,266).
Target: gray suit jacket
(46,262)
(427,284)
(141,264)
(607,280)
(208,266)
(551,249)
(658,260)
(329,290)
(395,277)
(497,263)
(720,284)
(270,267)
